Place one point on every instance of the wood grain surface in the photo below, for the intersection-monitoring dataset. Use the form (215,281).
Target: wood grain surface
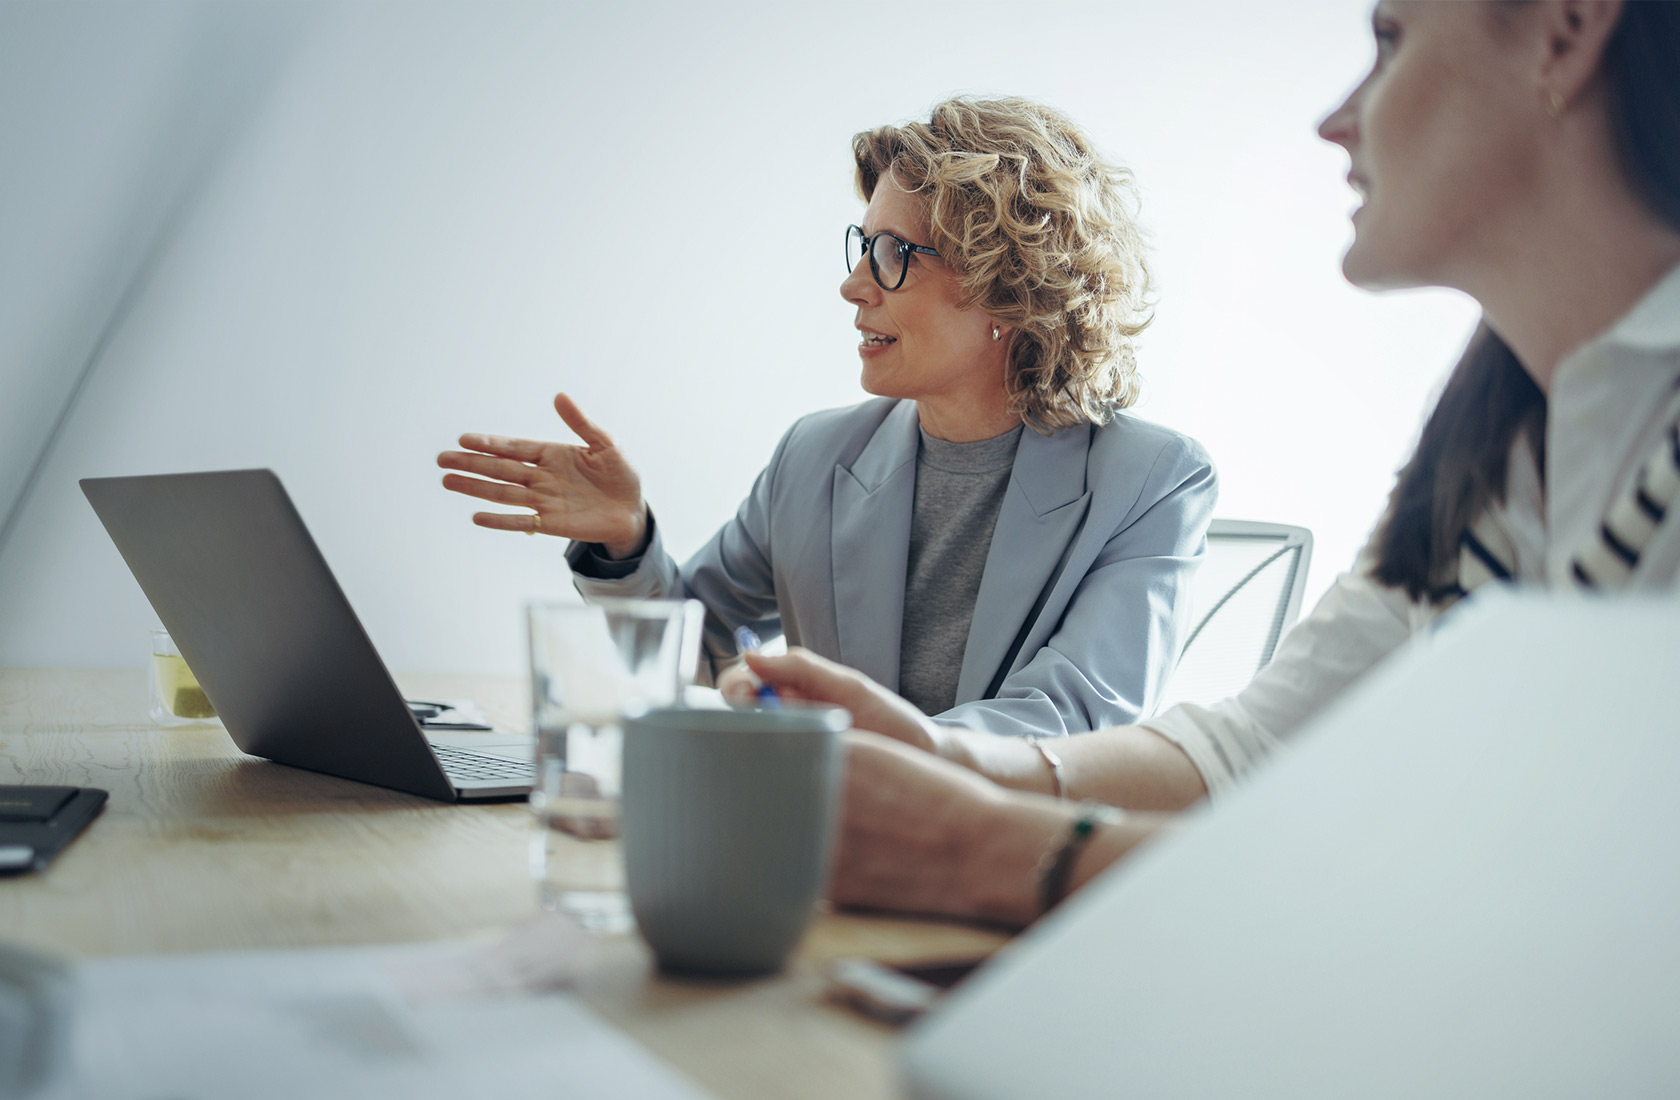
(203,848)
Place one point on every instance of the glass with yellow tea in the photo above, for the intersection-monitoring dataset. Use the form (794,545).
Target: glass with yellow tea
(177,700)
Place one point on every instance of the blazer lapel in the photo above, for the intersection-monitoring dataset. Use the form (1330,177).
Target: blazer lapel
(871,545)
(1042,511)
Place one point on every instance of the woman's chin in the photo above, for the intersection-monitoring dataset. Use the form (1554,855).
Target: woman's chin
(1379,260)
(1354,268)
(1370,268)
(878,383)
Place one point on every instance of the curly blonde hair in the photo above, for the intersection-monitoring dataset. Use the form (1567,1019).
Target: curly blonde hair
(1042,236)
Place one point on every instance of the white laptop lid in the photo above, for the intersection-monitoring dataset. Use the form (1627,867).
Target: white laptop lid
(1463,880)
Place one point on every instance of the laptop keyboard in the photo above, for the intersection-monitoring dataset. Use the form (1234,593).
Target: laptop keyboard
(461,764)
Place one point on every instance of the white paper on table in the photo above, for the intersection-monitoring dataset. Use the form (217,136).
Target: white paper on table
(438,1020)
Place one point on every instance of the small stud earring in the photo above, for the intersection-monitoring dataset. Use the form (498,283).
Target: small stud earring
(996,335)
(1555,104)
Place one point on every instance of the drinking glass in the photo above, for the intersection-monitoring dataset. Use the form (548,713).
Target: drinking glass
(592,666)
(176,698)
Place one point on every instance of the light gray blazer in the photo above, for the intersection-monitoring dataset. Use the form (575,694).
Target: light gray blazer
(1081,609)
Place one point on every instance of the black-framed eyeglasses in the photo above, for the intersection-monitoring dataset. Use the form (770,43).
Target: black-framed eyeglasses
(889,255)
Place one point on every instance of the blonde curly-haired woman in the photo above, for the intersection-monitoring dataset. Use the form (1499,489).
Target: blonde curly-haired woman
(990,536)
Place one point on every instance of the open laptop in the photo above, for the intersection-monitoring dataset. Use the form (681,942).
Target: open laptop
(244,592)
(1460,882)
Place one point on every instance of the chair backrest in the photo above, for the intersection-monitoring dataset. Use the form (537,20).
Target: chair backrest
(1246,593)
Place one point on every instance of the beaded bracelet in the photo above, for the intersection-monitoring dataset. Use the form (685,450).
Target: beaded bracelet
(1055,869)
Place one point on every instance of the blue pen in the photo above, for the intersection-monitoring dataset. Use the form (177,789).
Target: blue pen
(746,640)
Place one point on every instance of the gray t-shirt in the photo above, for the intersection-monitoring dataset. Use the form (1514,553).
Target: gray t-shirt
(959,490)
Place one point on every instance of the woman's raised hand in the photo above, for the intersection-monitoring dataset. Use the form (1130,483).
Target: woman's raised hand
(589,493)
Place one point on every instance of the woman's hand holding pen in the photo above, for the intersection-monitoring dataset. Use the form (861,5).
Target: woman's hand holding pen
(589,493)
(801,674)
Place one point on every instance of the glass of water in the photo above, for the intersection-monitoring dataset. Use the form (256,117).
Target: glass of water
(593,665)
(176,698)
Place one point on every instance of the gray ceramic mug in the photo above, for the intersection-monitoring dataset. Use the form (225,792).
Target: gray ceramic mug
(729,820)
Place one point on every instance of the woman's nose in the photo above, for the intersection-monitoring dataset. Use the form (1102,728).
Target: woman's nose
(859,287)
(1340,125)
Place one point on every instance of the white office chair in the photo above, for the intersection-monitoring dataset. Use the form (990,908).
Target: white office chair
(1245,594)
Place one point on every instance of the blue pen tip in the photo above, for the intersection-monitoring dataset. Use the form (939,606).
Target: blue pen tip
(747,641)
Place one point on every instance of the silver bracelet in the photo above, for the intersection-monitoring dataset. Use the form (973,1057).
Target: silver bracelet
(1056,785)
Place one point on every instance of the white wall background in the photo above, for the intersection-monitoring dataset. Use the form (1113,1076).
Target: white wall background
(435,216)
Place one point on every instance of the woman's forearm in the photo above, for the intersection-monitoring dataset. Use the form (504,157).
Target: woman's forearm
(1133,767)
(1013,847)
(635,538)
(922,835)
(1129,766)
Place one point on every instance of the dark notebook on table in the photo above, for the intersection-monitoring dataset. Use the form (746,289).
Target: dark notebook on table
(37,822)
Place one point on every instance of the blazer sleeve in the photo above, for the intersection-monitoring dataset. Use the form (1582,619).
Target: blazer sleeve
(731,575)
(1109,657)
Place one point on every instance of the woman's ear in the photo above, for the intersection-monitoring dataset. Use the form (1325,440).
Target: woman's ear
(1574,36)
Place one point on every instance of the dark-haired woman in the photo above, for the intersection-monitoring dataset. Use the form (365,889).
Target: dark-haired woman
(1527,154)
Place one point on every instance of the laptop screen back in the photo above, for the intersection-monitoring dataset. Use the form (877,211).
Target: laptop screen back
(242,588)
(1460,881)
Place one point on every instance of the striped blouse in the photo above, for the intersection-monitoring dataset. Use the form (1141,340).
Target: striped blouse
(1611,408)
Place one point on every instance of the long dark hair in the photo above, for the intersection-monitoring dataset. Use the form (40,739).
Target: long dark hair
(1459,467)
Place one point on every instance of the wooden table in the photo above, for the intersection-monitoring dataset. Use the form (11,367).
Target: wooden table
(202,848)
